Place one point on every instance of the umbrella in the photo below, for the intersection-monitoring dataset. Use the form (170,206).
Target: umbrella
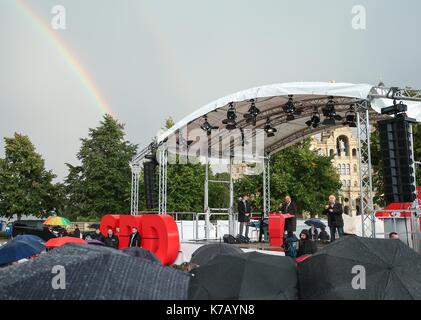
(386,269)
(57,221)
(17,249)
(57,242)
(92,273)
(245,276)
(208,251)
(28,237)
(94,226)
(316,222)
(141,253)
(95,242)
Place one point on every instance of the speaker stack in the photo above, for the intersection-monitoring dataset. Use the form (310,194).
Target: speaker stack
(395,136)
(150,184)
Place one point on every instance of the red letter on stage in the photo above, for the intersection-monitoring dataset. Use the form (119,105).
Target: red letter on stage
(158,233)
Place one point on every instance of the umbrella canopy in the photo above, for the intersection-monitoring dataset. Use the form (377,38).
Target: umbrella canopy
(316,222)
(18,249)
(207,252)
(94,226)
(141,253)
(57,242)
(92,273)
(28,237)
(245,276)
(95,242)
(57,221)
(388,269)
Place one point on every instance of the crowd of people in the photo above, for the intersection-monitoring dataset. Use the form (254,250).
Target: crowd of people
(110,240)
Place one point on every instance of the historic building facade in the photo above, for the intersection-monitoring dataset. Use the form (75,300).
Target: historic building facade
(343,146)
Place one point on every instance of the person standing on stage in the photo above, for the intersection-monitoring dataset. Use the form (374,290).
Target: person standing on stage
(289,207)
(334,217)
(134,238)
(244,212)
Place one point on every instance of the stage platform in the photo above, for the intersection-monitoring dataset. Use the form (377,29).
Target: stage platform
(188,247)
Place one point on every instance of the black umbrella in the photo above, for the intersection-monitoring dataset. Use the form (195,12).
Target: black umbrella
(206,252)
(94,226)
(141,253)
(354,268)
(245,276)
(316,222)
(92,272)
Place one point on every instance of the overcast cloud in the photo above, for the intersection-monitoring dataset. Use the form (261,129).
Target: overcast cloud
(154,59)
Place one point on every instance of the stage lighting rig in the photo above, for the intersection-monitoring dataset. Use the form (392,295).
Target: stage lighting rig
(231,116)
(270,131)
(207,127)
(252,113)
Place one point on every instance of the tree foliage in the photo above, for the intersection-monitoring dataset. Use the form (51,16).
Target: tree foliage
(101,184)
(26,187)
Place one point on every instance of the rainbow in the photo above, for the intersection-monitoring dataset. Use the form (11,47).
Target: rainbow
(81,73)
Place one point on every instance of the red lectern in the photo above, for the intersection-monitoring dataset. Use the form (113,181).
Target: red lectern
(277,228)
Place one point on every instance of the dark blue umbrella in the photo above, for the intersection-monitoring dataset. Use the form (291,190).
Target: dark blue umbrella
(28,237)
(16,249)
(316,222)
(96,242)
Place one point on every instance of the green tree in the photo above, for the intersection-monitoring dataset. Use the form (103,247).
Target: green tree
(101,184)
(25,185)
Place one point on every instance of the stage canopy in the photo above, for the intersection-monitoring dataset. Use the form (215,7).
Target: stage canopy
(309,99)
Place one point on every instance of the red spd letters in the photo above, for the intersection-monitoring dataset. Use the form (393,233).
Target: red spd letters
(158,232)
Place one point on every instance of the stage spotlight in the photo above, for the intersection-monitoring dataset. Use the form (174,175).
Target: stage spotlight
(351,118)
(252,113)
(206,126)
(290,109)
(396,109)
(270,131)
(315,120)
(329,113)
(231,116)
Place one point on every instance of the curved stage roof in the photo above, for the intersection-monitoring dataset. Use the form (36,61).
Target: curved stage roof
(270,99)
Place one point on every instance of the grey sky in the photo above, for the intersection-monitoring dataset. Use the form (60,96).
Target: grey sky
(154,59)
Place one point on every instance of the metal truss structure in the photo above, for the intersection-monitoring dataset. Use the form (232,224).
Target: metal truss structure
(163,166)
(366,181)
(365,116)
(135,166)
(266,185)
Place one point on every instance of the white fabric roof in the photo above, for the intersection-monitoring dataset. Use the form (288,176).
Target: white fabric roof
(271,98)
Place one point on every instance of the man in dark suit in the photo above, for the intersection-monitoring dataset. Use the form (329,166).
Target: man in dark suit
(244,212)
(134,240)
(289,207)
(334,218)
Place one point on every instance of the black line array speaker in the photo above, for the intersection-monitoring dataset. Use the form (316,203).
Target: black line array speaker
(150,185)
(398,163)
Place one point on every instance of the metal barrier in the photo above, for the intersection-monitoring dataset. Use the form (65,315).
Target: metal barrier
(196,217)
